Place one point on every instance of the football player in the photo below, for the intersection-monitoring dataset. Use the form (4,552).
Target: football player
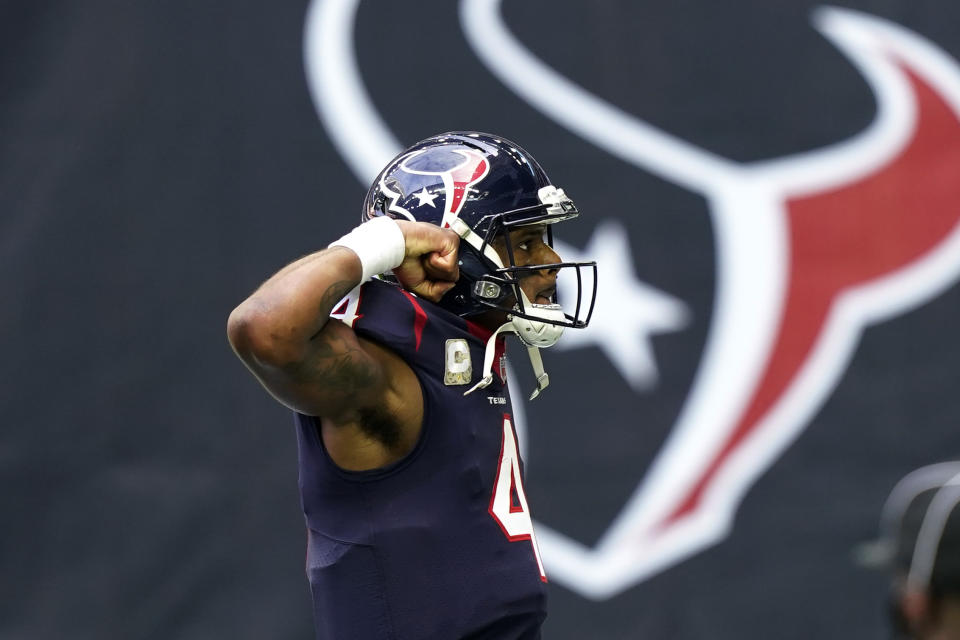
(920,546)
(389,347)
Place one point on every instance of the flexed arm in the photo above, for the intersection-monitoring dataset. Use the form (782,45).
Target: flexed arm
(283,334)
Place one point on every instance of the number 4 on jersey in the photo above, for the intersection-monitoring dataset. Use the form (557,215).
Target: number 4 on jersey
(513,518)
(346,310)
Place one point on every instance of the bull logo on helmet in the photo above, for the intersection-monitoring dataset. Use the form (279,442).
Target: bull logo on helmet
(466,167)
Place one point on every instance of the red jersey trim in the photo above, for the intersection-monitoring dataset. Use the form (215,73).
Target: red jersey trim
(420,317)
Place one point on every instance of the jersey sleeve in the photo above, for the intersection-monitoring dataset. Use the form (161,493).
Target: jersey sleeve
(386,314)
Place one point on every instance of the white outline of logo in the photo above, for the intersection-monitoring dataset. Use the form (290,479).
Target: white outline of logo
(748,207)
(451,206)
(449,183)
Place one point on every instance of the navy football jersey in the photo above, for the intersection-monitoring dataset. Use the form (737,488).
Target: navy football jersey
(438,545)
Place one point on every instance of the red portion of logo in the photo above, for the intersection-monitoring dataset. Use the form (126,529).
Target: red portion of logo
(464,176)
(849,237)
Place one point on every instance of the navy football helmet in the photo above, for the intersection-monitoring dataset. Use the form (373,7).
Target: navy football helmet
(482,186)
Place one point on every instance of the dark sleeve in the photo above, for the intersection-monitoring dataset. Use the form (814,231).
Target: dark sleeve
(386,314)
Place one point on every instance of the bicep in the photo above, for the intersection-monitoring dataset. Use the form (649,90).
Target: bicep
(335,376)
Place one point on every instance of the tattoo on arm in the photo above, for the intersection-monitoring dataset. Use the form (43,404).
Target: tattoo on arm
(338,363)
(333,295)
(341,366)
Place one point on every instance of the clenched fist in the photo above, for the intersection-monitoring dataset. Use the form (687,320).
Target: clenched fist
(429,268)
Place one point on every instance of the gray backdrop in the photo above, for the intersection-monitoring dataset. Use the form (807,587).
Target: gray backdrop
(159,159)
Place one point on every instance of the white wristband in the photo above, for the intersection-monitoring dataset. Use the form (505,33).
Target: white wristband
(379,244)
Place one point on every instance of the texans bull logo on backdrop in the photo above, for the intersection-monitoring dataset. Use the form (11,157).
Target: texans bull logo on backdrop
(811,249)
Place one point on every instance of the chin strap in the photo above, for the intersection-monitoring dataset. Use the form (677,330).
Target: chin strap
(542,378)
(488,356)
(534,352)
